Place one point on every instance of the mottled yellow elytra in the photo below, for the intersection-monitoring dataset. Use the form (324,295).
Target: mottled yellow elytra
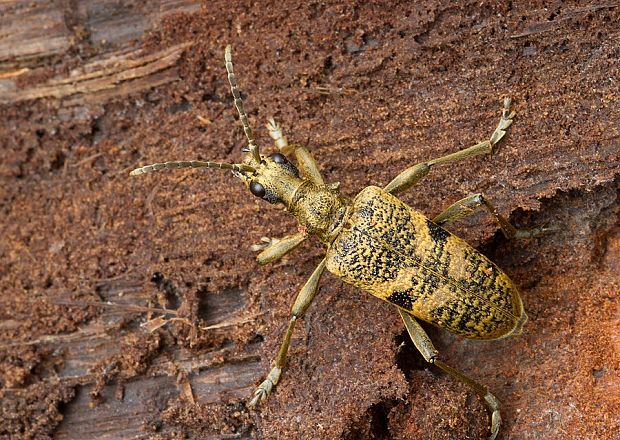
(386,248)
(397,254)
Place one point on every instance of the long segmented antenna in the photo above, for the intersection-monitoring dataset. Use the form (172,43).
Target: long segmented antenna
(191,164)
(239,104)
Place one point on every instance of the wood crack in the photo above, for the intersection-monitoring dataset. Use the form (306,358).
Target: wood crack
(119,74)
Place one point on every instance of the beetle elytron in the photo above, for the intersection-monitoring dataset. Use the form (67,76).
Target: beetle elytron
(379,244)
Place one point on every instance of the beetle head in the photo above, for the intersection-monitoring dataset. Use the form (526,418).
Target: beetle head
(272,178)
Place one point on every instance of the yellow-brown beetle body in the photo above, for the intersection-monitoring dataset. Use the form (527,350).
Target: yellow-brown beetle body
(379,244)
(395,253)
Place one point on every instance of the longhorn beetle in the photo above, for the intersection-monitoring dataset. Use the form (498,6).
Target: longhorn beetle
(381,245)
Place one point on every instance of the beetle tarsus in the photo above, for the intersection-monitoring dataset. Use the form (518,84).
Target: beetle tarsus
(260,394)
(496,420)
(504,122)
(265,242)
(275,132)
(264,389)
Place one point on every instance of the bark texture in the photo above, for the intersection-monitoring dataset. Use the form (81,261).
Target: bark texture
(134,308)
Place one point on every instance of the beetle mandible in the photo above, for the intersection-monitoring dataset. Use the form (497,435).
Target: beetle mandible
(381,245)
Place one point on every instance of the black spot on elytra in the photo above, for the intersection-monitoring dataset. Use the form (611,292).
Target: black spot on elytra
(438,234)
(403,298)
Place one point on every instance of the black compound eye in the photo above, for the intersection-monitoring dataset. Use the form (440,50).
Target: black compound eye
(278,158)
(257,189)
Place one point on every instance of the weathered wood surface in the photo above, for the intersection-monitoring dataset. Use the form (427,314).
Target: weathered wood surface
(90,89)
(98,343)
(33,33)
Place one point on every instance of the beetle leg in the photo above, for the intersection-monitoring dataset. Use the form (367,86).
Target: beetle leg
(305,161)
(425,346)
(275,131)
(468,205)
(414,174)
(275,248)
(302,302)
